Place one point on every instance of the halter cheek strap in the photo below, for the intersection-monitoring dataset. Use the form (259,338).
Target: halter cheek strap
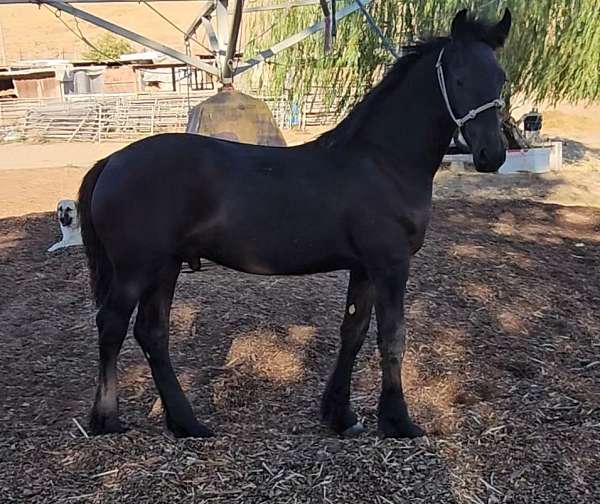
(472,114)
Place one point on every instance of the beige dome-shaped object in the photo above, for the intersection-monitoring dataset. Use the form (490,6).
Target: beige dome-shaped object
(232,115)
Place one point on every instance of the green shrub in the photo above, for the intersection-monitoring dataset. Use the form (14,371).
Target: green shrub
(107,47)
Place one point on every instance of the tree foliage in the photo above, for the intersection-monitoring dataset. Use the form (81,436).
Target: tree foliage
(553,52)
(107,47)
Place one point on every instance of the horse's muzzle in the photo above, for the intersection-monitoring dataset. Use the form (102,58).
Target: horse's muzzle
(489,160)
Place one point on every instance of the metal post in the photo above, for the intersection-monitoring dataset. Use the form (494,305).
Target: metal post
(222,32)
(386,42)
(99,121)
(227,70)
(3,43)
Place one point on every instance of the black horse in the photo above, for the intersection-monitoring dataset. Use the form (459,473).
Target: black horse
(357,198)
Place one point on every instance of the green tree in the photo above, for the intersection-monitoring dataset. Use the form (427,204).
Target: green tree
(107,47)
(553,52)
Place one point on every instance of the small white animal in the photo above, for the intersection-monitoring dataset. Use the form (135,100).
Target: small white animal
(69,225)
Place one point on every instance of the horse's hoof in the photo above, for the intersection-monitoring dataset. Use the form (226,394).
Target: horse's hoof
(400,429)
(105,424)
(195,431)
(342,420)
(195,264)
(202,432)
(357,429)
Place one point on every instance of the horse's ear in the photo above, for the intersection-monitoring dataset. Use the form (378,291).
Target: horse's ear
(458,23)
(499,32)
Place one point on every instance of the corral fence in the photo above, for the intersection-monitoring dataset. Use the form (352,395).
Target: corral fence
(128,116)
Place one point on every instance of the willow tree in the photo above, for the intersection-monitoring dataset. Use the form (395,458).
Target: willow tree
(553,52)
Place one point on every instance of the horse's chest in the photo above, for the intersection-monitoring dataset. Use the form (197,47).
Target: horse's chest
(416,242)
(416,237)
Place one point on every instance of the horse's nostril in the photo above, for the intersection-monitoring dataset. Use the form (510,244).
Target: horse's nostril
(483,157)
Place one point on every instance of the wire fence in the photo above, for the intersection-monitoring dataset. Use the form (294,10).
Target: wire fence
(129,116)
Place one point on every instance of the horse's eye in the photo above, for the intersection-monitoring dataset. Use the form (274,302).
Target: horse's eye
(459,83)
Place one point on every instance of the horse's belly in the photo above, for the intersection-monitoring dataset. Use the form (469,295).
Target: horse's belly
(272,256)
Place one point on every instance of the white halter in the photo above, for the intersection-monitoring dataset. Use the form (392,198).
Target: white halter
(472,114)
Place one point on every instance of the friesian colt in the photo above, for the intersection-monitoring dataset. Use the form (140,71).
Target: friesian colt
(357,198)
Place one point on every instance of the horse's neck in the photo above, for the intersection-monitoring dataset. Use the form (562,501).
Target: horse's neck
(412,130)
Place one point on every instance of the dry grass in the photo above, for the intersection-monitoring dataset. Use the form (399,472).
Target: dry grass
(35,33)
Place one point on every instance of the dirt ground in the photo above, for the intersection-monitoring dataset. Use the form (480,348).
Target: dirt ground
(33,177)
(578,183)
(502,366)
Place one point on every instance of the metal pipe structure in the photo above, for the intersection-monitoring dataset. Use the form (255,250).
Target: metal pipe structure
(258,8)
(205,13)
(223,42)
(128,34)
(227,70)
(34,2)
(298,37)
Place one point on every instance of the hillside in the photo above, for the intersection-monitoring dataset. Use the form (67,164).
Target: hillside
(31,32)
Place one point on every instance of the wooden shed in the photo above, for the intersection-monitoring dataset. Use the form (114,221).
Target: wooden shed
(31,83)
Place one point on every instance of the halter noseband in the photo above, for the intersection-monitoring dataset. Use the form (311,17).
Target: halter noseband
(472,114)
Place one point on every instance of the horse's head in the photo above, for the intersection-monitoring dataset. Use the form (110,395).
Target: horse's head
(471,81)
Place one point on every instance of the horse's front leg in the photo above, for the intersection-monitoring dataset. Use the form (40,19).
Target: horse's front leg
(390,286)
(335,406)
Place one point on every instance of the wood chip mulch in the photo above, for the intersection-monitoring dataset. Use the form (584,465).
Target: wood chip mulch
(502,370)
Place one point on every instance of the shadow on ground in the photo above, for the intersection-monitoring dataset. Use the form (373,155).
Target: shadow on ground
(575,151)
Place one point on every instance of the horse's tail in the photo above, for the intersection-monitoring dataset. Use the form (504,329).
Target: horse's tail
(99,265)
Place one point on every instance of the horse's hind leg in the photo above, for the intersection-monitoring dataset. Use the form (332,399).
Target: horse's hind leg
(112,321)
(335,405)
(151,330)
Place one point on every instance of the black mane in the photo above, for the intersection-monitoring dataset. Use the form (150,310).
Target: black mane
(348,127)
(472,30)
